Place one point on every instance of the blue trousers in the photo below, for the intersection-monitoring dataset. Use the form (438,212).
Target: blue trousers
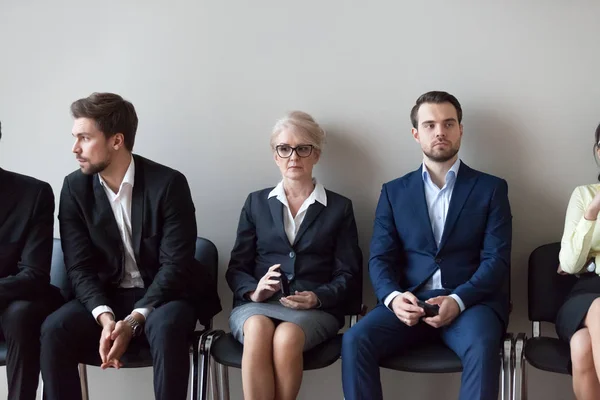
(475,336)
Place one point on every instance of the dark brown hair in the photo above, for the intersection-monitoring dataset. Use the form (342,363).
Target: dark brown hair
(596,146)
(435,97)
(112,115)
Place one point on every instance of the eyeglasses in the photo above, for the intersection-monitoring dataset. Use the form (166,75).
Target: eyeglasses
(285,150)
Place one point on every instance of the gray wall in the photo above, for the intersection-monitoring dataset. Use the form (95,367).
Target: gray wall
(209,79)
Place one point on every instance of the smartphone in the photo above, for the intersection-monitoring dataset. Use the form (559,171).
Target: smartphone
(284,284)
(431,310)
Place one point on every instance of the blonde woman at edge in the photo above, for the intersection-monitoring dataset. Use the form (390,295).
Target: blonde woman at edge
(297,236)
(578,320)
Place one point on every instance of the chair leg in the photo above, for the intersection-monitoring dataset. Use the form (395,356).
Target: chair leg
(85,394)
(215,389)
(223,381)
(204,345)
(195,366)
(519,376)
(506,364)
(208,380)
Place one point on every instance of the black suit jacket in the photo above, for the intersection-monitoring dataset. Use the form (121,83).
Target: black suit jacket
(163,224)
(325,257)
(26,230)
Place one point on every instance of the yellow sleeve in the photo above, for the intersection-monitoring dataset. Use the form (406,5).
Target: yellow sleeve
(577,237)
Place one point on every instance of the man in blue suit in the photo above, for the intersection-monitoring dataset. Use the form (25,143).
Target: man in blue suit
(442,234)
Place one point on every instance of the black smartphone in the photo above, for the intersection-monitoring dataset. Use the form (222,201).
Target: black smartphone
(284,284)
(431,310)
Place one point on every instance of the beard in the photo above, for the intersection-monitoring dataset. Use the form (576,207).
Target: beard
(441,156)
(92,169)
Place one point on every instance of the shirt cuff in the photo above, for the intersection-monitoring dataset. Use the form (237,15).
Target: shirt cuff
(144,311)
(461,305)
(388,300)
(101,309)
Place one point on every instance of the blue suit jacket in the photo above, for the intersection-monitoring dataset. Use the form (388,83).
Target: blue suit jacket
(474,252)
(324,258)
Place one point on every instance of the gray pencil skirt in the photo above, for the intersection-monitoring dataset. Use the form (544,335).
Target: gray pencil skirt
(317,325)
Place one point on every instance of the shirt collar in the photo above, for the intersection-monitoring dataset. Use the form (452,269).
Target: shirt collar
(318,194)
(450,175)
(128,179)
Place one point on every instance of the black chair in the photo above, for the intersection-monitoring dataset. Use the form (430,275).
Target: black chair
(225,351)
(139,356)
(547,291)
(437,358)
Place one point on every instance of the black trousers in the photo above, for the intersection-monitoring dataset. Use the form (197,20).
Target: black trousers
(70,336)
(20,324)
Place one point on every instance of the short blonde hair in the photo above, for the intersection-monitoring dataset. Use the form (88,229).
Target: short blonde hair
(303,123)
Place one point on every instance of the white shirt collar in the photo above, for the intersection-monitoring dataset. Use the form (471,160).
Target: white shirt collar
(318,194)
(128,179)
(450,175)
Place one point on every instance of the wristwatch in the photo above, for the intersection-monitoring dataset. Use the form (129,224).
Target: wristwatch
(136,327)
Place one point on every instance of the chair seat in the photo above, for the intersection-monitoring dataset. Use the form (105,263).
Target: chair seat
(548,354)
(431,358)
(227,350)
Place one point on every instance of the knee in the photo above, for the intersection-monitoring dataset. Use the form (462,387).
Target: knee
(162,331)
(593,315)
(353,340)
(581,351)
(288,338)
(483,350)
(52,330)
(258,327)
(21,319)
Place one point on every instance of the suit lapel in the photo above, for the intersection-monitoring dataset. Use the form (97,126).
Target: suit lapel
(137,207)
(311,214)
(419,204)
(277,214)
(104,214)
(462,188)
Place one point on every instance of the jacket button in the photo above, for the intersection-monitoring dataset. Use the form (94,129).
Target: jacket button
(290,277)
(292,254)
(438,260)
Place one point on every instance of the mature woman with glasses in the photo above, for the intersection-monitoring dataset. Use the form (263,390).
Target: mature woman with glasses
(578,320)
(295,262)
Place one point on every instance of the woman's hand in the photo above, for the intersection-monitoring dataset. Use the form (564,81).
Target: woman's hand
(267,286)
(300,300)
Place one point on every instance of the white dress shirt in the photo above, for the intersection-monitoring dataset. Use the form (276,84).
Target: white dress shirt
(292,224)
(121,207)
(438,201)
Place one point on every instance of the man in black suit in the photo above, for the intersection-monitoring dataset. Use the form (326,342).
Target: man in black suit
(128,230)
(26,297)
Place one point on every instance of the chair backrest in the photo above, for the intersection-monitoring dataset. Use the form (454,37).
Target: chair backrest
(207,254)
(58,271)
(354,305)
(547,289)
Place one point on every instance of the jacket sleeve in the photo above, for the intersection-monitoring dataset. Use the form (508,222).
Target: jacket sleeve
(495,252)
(79,252)
(36,254)
(386,249)
(240,272)
(177,246)
(347,263)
